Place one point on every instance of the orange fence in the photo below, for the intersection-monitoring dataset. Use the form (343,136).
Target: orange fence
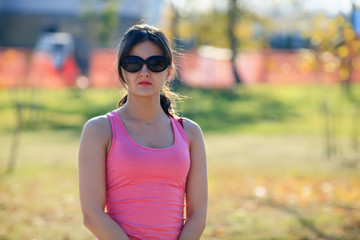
(20,67)
(284,67)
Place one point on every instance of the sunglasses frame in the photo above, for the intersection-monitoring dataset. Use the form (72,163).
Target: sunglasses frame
(146,61)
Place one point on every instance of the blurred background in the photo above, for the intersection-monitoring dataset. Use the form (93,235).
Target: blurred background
(273,84)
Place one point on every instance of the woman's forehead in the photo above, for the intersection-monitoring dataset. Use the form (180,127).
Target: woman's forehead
(146,49)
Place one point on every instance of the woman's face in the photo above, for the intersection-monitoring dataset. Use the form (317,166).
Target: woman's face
(145,82)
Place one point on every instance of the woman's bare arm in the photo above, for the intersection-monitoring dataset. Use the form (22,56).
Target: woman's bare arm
(196,187)
(92,184)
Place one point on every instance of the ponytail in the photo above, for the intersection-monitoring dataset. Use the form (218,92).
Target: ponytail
(122,101)
(165,102)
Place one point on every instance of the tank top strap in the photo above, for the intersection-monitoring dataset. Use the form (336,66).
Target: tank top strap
(115,128)
(178,123)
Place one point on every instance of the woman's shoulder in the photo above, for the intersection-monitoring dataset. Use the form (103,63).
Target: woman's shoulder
(190,124)
(98,122)
(98,126)
(192,129)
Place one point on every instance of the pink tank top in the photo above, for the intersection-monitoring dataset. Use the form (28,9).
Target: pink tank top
(145,186)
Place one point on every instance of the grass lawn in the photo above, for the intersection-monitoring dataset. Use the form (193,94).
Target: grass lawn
(269,177)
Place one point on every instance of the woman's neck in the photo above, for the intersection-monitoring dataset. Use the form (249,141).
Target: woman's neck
(146,109)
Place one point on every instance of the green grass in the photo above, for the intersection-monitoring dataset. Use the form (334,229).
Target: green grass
(262,109)
(267,108)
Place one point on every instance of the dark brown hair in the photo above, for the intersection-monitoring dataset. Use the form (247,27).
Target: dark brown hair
(140,33)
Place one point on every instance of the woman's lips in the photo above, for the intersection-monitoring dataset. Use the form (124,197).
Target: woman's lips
(145,83)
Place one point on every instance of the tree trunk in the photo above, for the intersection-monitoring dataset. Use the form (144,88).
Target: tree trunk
(233,17)
(16,138)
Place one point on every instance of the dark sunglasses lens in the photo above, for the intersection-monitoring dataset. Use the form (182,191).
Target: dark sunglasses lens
(157,63)
(132,64)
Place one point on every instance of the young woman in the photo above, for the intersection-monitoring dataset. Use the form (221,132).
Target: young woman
(138,163)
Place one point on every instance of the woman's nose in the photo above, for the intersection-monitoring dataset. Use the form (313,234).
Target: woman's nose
(144,71)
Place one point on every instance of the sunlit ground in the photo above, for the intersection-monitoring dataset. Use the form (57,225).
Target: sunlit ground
(276,187)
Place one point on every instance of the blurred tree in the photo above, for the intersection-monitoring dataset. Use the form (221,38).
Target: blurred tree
(229,27)
(210,29)
(106,17)
(335,45)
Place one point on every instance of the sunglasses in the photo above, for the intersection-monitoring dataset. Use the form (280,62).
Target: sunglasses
(153,63)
